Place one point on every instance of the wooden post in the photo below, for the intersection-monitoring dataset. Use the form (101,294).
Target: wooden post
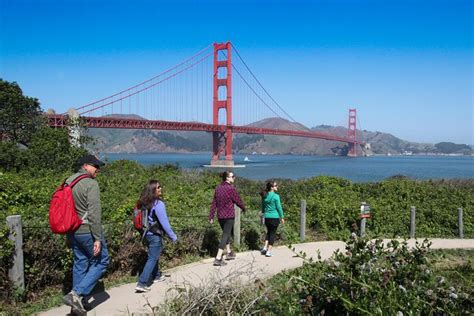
(460,223)
(363,219)
(237,226)
(16,273)
(412,221)
(302,220)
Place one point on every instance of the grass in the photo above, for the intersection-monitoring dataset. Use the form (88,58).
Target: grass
(456,265)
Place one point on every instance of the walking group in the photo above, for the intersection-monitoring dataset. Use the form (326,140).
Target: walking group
(88,244)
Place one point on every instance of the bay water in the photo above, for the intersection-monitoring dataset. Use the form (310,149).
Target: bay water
(359,169)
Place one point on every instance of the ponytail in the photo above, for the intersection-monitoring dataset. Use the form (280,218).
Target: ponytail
(268,188)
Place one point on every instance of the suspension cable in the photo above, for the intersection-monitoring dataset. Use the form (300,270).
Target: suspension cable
(146,81)
(250,71)
(148,87)
(248,85)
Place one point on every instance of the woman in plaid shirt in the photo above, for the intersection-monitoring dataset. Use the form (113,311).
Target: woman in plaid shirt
(225,196)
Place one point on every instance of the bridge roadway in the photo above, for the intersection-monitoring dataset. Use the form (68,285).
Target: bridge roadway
(248,267)
(117,122)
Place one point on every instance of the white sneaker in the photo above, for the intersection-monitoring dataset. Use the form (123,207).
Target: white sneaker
(142,289)
(268,254)
(160,279)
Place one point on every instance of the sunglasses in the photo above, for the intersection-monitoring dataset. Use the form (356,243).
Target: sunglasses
(158,187)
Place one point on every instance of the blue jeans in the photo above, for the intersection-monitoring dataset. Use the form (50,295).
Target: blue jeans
(150,270)
(87,268)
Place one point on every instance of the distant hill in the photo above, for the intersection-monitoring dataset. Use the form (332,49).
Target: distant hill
(149,141)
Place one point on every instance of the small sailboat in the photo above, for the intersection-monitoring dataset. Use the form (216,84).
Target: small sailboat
(246,158)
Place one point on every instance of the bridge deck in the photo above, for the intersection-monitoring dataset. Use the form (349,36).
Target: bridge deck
(117,122)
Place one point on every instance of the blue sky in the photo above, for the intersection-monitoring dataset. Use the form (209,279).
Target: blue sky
(406,65)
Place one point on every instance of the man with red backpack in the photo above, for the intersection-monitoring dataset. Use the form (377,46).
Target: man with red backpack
(91,257)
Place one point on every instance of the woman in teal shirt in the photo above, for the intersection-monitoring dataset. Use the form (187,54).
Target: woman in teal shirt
(273,214)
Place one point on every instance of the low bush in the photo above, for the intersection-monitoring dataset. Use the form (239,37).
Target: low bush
(372,278)
(368,278)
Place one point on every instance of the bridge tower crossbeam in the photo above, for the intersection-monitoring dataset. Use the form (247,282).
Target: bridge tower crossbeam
(222,141)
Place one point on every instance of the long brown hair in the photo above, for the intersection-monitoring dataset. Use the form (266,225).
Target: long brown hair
(149,195)
(268,188)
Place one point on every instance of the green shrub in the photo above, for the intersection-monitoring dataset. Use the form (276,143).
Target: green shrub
(370,278)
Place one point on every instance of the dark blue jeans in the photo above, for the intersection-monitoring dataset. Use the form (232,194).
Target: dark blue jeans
(151,268)
(87,268)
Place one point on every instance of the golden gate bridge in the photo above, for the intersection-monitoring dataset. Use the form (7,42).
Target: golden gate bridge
(179,98)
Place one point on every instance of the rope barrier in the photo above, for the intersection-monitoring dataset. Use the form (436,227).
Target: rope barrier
(171,218)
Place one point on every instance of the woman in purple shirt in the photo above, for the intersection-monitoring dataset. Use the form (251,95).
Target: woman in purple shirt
(151,199)
(225,197)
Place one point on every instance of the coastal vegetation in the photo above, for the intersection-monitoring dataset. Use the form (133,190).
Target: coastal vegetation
(332,213)
(368,278)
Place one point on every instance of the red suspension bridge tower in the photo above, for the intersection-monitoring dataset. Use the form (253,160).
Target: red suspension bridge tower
(351,133)
(222,141)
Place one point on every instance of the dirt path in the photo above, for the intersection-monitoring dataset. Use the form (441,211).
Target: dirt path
(250,265)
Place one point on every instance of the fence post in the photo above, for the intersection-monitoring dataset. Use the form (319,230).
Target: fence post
(302,220)
(237,226)
(363,219)
(16,273)
(460,223)
(412,221)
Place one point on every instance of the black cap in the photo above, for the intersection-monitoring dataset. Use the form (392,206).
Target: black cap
(91,160)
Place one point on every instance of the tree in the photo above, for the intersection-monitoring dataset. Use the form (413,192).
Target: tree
(11,156)
(50,149)
(26,139)
(20,115)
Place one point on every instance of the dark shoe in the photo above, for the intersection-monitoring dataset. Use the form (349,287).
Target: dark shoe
(230,256)
(75,301)
(219,263)
(87,306)
(263,251)
(76,313)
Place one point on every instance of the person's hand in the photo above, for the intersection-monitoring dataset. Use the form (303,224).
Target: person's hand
(211,220)
(283,221)
(96,248)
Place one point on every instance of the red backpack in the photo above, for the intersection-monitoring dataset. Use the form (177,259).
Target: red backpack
(62,211)
(141,223)
(140,218)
